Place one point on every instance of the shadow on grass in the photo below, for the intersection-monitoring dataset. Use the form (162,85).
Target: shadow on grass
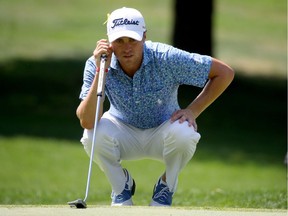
(39,98)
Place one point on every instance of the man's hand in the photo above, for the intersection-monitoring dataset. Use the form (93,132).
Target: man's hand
(184,115)
(102,47)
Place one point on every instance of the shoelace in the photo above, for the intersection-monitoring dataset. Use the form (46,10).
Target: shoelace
(163,193)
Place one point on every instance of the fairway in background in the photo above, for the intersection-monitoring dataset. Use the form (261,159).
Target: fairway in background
(250,35)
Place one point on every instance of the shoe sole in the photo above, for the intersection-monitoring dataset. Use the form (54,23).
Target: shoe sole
(154,203)
(126,203)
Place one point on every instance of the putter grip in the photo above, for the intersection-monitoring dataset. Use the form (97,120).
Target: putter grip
(100,88)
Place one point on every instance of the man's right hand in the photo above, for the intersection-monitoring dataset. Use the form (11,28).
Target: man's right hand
(102,47)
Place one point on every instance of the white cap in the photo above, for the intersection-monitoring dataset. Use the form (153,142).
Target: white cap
(125,22)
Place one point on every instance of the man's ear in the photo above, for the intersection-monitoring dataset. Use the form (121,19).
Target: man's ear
(144,36)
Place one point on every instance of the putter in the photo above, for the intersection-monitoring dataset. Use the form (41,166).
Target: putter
(79,203)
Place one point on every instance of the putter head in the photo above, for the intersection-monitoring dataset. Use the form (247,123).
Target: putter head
(79,203)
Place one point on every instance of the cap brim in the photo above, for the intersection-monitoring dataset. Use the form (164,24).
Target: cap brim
(131,34)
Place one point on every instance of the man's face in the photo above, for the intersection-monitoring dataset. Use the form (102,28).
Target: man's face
(128,51)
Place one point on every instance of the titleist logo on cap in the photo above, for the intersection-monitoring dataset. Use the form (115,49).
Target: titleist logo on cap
(122,21)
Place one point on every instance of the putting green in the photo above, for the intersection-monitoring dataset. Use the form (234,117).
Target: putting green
(20,210)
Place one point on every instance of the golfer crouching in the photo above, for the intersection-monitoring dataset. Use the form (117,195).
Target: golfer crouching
(144,119)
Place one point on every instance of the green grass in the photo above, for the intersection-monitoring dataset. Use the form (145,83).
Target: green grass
(51,171)
(252,35)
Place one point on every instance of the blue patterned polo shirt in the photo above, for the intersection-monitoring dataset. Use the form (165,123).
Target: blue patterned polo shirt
(150,97)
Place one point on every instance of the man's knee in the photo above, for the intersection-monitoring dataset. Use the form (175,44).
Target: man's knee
(86,140)
(183,137)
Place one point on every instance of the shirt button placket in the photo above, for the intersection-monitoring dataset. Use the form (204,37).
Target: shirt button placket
(136,91)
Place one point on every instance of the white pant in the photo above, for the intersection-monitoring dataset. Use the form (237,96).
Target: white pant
(174,144)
